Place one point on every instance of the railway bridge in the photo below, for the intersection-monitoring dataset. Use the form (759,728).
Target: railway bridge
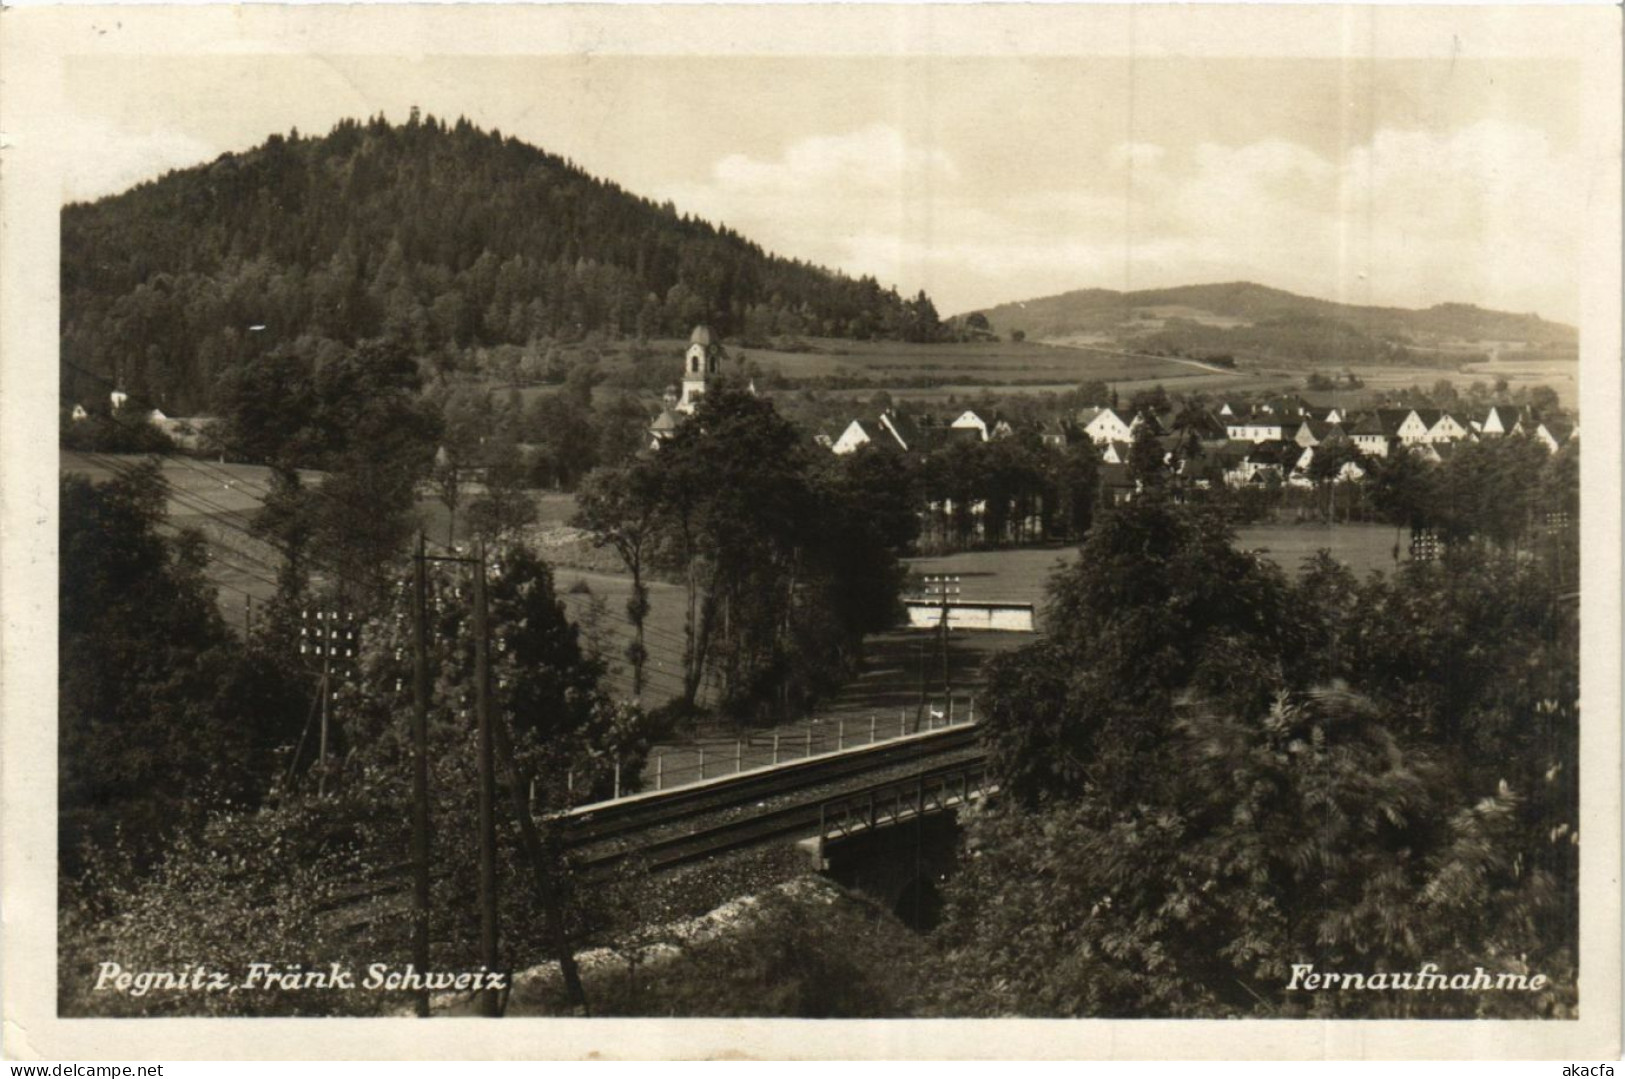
(880,818)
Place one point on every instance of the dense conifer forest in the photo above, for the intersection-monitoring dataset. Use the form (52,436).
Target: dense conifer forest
(441,236)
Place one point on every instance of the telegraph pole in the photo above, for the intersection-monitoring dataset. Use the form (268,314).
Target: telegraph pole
(944,587)
(488,840)
(332,628)
(420,777)
(327,671)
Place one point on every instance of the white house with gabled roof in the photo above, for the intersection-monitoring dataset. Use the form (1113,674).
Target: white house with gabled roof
(1107,425)
(1446,429)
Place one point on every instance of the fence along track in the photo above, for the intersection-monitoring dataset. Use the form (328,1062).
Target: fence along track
(605,822)
(602,821)
(797,820)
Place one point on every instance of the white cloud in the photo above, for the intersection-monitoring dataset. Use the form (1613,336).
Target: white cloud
(99,158)
(1487,214)
(873,159)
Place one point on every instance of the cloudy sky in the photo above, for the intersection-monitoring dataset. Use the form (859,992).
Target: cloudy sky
(979,179)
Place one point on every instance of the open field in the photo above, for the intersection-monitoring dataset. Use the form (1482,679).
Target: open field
(218,500)
(888,363)
(1062,363)
(1021,575)
(581,591)
(1361,547)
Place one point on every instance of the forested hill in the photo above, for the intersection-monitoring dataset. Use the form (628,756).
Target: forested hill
(1245,303)
(442,235)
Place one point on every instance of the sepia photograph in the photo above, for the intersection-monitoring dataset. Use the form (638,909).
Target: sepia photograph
(834,515)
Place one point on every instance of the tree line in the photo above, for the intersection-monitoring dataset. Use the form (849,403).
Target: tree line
(788,554)
(440,236)
(1210,772)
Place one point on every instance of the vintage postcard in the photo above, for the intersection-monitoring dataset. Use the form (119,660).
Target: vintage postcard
(1004,531)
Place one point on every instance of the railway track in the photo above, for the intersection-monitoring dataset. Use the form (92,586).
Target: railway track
(797,820)
(668,829)
(607,822)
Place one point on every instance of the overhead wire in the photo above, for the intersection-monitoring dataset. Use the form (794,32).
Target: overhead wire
(231,519)
(190,501)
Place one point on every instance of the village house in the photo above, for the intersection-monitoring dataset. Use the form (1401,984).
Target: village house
(1312,432)
(1414,427)
(1116,485)
(187,432)
(1446,429)
(1206,426)
(904,432)
(1370,435)
(857,435)
(1104,425)
(1115,453)
(1553,433)
(1496,420)
(1350,472)
(1262,461)
(1060,433)
(1257,427)
(969,420)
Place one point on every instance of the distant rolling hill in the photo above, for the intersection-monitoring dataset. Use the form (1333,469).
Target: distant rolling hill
(1249,320)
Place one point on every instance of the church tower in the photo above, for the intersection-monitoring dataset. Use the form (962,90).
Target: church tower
(699,364)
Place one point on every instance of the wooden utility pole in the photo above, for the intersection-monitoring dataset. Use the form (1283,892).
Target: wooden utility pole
(487,796)
(944,587)
(542,866)
(327,672)
(420,776)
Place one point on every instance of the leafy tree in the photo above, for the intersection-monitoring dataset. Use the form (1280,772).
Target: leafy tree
(622,507)
(564,434)
(1094,393)
(1327,467)
(260,884)
(1398,488)
(738,503)
(448,487)
(1311,835)
(1153,400)
(1147,461)
(1157,604)
(163,715)
(1544,400)
(1489,490)
(1076,472)
(357,413)
(505,507)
